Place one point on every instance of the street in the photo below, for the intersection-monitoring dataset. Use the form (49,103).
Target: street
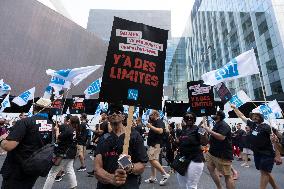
(248,179)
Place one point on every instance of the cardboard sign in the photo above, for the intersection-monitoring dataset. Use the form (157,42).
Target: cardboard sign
(57,107)
(135,64)
(78,106)
(223,92)
(201,98)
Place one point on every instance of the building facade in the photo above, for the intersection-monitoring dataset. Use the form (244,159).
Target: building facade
(222,29)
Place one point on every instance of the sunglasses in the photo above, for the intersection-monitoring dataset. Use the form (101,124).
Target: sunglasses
(114,112)
(187,118)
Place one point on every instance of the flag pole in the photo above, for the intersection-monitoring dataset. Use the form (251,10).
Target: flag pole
(264,96)
(65,99)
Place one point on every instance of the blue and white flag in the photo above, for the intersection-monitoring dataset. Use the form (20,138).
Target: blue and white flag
(23,98)
(5,103)
(238,100)
(48,92)
(104,107)
(98,110)
(136,113)
(75,75)
(145,116)
(59,83)
(4,87)
(271,110)
(30,113)
(93,88)
(243,65)
(125,109)
(161,114)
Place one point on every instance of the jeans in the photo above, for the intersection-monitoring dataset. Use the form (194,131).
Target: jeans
(192,176)
(68,165)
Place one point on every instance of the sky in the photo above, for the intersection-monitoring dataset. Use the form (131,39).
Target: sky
(79,9)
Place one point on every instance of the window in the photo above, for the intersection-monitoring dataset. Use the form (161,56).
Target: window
(258,94)
(262,28)
(276,88)
(271,66)
(269,44)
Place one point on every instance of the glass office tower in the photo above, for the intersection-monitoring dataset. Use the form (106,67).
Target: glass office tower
(223,29)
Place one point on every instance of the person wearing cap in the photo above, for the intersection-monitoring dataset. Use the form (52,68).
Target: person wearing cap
(110,147)
(155,138)
(220,153)
(26,137)
(263,151)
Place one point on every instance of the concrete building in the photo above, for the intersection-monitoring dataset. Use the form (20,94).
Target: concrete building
(35,38)
(224,29)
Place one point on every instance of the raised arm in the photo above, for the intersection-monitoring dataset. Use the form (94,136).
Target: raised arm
(239,113)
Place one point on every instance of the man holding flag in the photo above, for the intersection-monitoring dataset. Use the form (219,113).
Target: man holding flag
(264,154)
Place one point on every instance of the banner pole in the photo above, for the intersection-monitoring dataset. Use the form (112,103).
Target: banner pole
(128,130)
(65,100)
(264,96)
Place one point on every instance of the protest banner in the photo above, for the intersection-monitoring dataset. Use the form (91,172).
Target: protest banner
(135,64)
(223,92)
(78,105)
(201,98)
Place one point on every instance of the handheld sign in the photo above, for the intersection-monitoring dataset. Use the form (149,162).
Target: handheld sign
(135,64)
(201,98)
(223,92)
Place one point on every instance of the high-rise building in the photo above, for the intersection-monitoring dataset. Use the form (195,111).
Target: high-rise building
(100,22)
(224,29)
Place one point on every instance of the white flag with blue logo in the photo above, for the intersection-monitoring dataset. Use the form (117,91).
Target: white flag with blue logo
(238,100)
(4,87)
(272,110)
(136,113)
(48,92)
(75,75)
(145,116)
(93,88)
(125,109)
(5,103)
(243,65)
(30,113)
(104,107)
(59,83)
(23,98)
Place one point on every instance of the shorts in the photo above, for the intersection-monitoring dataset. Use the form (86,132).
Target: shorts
(247,151)
(222,165)
(81,150)
(264,162)
(154,152)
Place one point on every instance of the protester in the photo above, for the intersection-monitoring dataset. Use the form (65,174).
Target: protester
(25,138)
(246,147)
(66,121)
(262,147)
(109,149)
(65,152)
(139,126)
(82,142)
(22,115)
(189,147)
(171,144)
(237,139)
(3,131)
(101,129)
(155,137)
(220,154)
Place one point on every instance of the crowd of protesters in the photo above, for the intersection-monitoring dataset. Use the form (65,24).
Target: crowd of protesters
(188,147)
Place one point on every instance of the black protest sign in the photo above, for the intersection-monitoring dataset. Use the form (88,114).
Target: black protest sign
(57,107)
(223,92)
(201,98)
(78,105)
(135,64)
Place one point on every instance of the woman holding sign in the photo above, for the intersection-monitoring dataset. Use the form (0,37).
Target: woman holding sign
(190,153)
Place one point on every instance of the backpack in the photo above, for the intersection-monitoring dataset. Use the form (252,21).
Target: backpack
(40,162)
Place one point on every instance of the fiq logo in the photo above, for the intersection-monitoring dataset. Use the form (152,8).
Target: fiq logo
(229,70)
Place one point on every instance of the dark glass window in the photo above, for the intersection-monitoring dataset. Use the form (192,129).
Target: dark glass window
(258,94)
(276,88)
(269,44)
(271,65)
(262,28)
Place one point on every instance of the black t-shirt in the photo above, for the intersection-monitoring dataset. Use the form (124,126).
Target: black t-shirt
(221,149)
(66,145)
(259,138)
(139,128)
(27,132)
(83,134)
(190,144)
(238,134)
(104,127)
(155,138)
(111,147)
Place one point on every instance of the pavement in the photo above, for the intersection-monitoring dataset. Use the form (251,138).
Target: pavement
(248,178)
